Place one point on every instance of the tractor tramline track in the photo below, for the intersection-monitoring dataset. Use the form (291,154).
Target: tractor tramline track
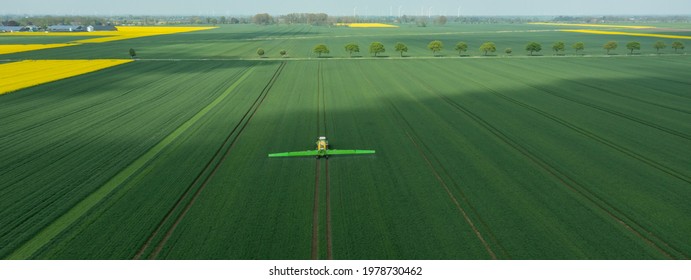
(322,151)
(322,129)
(464,207)
(211,168)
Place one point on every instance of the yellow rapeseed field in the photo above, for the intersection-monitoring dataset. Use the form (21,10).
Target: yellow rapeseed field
(123,33)
(594,25)
(588,31)
(131,32)
(367,25)
(28,73)
(5,49)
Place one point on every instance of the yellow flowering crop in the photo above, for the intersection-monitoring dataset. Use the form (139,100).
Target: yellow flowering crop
(5,49)
(28,73)
(123,33)
(594,25)
(588,31)
(131,32)
(367,25)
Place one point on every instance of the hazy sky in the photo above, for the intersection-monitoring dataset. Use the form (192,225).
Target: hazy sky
(349,7)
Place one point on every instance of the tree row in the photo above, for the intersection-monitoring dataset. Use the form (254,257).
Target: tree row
(436,46)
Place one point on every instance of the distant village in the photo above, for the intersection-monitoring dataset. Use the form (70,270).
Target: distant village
(58,28)
(24,23)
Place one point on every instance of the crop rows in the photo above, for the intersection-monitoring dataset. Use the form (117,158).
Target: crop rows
(577,158)
(74,147)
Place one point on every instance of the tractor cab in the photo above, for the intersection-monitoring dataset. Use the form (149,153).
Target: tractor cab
(322,146)
(322,143)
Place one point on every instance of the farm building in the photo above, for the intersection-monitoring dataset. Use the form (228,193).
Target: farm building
(28,28)
(66,28)
(92,28)
(10,28)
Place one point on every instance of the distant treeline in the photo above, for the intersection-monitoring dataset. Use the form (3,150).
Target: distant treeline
(318,19)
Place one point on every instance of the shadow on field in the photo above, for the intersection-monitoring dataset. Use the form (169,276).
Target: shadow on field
(387,117)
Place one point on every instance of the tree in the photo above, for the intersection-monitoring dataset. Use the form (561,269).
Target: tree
(533,47)
(401,48)
(461,47)
(260,52)
(633,46)
(320,49)
(263,19)
(488,47)
(508,51)
(376,48)
(11,23)
(677,45)
(133,54)
(435,46)
(441,20)
(351,48)
(283,52)
(579,46)
(659,45)
(558,46)
(611,45)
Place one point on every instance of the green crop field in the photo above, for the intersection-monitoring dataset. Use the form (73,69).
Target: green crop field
(571,156)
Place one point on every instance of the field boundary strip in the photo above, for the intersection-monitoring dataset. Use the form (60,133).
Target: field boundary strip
(75,213)
(452,57)
(210,169)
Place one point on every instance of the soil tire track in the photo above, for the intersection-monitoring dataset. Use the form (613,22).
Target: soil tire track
(410,133)
(315,213)
(650,162)
(613,112)
(211,166)
(573,185)
(329,245)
